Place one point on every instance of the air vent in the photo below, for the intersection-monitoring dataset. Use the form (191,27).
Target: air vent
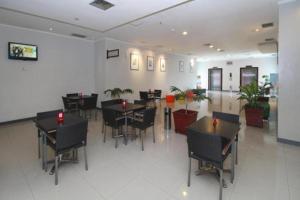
(267,25)
(229,63)
(207,44)
(269,39)
(101,4)
(78,35)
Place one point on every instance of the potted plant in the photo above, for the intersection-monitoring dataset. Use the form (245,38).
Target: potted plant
(253,108)
(116,93)
(184,117)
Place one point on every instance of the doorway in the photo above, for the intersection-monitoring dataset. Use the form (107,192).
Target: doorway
(248,74)
(215,78)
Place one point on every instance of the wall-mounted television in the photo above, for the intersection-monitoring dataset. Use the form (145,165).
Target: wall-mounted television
(19,51)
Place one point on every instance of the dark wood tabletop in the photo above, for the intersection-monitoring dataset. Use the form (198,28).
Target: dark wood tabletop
(224,129)
(129,107)
(50,124)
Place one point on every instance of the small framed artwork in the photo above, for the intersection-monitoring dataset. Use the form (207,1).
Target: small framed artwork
(150,63)
(112,53)
(181,66)
(162,65)
(134,61)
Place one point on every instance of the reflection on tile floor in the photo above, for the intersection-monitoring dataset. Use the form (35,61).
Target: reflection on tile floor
(267,170)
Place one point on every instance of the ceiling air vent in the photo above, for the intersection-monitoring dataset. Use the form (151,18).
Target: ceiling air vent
(229,63)
(269,39)
(78,35)
(101,4)
(267,25)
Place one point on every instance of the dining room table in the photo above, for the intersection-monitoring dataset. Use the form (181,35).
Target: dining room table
(48,129)
(126,111)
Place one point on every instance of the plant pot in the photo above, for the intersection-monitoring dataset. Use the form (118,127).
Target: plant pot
(183,119)
(254,117)
(170,98)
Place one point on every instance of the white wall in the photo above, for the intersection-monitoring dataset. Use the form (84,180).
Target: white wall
(289,70)
(64,65)
(266,66)
(118,74)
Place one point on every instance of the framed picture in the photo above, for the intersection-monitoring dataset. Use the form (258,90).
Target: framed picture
(181,66)
(112,53)
(162,65)
(192,63)
(150,63)
(134,61)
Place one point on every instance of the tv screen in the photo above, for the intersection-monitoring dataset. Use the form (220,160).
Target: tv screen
(18,51)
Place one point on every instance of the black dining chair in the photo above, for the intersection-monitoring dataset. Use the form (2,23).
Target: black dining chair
(211,149)
(41,116)
(115,121)
(230,118)
(144,120)
(144,96)
(72,94)
(88,105)
(157,95)
(70,106)
(108,103)
(68,137)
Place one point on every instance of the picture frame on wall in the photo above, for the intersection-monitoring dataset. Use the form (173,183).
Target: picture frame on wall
(134,61)
(112,53)
(150,63)
(162,65)
(181,66)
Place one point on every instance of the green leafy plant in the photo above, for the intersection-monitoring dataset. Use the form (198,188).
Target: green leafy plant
(250,93)
(188,95)
(117,92)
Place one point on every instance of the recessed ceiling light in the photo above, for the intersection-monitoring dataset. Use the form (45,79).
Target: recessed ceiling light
(172,29)
(257,30)
(219,49)
(50,29)
(211,46)
(184,33)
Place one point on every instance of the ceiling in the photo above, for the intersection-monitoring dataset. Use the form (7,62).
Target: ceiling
(157,24)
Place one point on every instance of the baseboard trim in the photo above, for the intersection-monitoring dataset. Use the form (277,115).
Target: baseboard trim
(286,141)
(16,121)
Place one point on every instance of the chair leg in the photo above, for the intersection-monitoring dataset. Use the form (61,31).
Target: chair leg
(39,144)
(56,169)
(189,172)
(116,136)
(142,140)
(153,134)
(104,133)
(96,112)
(85,158)
(236,152)
(221,184)
(103,126)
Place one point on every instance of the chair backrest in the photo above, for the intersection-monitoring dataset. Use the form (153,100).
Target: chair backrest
(94,95)
(144,95)
(72,95)
(109,117)
(70,135)
(89,103)
(204,146)
(149,116)
(67,104)
(110,102)
(157,93)
(140,102)
(47,114)
(226,117)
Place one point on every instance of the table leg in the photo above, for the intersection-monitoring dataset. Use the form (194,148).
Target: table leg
(43,150)
(125,132)
(233,148)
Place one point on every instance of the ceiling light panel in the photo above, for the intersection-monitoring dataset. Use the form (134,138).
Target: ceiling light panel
(102,4)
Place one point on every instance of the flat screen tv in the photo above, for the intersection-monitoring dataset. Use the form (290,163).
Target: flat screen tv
(19,51)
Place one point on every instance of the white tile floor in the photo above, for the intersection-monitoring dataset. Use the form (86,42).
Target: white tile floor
(267,170)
